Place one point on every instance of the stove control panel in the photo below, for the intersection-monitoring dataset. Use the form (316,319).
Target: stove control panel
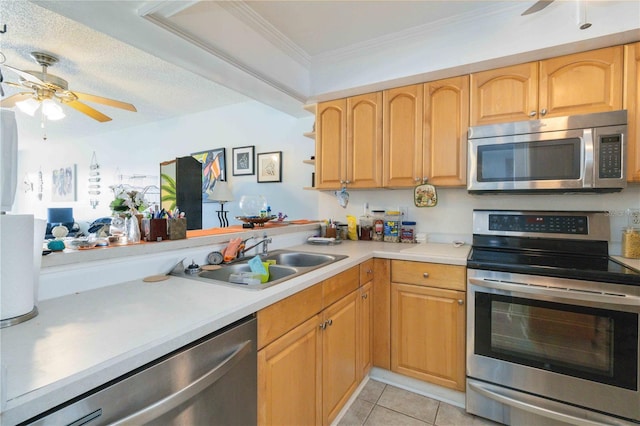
(545,224)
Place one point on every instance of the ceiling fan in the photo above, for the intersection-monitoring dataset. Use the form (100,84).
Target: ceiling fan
(537,7)
(46,88)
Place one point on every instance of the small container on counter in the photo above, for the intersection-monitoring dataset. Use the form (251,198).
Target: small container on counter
(378,225)
(631,243)
(408,232)
(366,228)
(392,226)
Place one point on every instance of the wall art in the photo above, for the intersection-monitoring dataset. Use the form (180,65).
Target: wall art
(63,184)
(243,161)
(213,169)
(270,167)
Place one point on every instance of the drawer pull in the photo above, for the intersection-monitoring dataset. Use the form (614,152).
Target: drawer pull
(425,275)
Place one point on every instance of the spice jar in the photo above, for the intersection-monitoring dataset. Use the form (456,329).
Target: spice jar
(631,243)
(378,225)
(408,232)
(392,226)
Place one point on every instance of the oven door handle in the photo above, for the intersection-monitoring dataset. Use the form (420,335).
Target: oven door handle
(622,300)
(503,397)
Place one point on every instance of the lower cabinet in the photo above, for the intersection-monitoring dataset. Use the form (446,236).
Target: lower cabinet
(307,374)
(428,323)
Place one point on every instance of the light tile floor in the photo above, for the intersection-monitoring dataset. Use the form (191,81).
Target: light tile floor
(385,405)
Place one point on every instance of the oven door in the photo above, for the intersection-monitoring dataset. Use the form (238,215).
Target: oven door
(566,340)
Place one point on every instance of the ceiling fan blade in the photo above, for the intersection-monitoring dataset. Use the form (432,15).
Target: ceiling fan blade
(105,101)
(86,109)
(10,102)
(26,75)
(538,6)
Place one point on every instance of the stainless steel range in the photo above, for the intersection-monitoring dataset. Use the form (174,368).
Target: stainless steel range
(552,321)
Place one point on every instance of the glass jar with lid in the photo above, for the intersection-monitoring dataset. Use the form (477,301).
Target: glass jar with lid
(378,225)
(631,235)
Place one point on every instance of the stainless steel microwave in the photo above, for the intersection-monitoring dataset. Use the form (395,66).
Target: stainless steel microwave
(581,153)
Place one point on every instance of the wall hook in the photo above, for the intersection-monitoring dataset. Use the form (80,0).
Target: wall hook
(4,29)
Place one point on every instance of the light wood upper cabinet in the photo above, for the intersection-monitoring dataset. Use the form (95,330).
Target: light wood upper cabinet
(504,94)
(331,142)
(349,142)
(446,121)
(402,140)
(631,103)
(581,83)
(364,141)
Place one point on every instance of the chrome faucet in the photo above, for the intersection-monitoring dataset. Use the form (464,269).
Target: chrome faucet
(264,241)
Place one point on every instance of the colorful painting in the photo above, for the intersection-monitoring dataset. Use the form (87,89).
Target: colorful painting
(63,184)
(213,169)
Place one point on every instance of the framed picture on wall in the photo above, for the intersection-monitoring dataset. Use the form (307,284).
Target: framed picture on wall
(243,161)
(63,183)
(213,169)
(270,167)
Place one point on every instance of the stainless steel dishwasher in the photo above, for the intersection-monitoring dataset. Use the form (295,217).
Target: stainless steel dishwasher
(212,381)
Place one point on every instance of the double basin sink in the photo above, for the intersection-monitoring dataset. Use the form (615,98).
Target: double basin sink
(288,264)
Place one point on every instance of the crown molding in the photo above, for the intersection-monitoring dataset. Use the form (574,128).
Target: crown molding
(246,14)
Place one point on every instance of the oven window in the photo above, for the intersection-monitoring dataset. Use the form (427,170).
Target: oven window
(589,343)
(527,161)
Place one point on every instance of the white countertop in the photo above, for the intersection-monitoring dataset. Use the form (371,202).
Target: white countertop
(80,341)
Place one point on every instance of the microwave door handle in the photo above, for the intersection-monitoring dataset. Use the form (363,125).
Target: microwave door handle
(589,158)
(622,301)
(518,401)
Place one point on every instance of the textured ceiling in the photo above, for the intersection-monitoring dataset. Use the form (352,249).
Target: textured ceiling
(95,63)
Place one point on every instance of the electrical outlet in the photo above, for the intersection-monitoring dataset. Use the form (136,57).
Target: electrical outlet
(634,217)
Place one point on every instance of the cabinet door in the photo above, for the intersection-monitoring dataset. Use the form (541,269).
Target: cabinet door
(402,140)
(581,83)
(331,137)
(364,141)
(339,355)
(504,94)
(631,104)
(365,330)
(382,313)
(427,334)
(290,377)
(446,121)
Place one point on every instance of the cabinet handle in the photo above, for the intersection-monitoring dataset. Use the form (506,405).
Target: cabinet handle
(532,114)
(364,296)
(323,325)
(370,271)
(330,322)
(460,302)
(543,112)
(417,179)
(425,275)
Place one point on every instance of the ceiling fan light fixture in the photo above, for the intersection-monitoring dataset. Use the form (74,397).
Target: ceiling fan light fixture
(28,106)
(52,110)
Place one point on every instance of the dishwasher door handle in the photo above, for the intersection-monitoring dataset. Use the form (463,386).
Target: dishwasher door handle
(169,402)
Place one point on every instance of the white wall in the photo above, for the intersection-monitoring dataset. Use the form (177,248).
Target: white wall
(139,151)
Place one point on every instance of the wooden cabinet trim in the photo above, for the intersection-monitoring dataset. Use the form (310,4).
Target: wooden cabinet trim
(338,286)
(382,313)
(631,102)
(429,274)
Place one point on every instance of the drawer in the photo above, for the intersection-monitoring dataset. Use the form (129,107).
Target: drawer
(338,286)
(429,274)
(275,320)
(366,271)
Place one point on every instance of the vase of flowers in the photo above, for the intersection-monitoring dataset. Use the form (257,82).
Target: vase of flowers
(128,203)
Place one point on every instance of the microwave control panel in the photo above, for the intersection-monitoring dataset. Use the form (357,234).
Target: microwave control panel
(610,159)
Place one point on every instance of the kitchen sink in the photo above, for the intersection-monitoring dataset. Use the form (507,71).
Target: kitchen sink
(276,272)
(289,264)
(300,259)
